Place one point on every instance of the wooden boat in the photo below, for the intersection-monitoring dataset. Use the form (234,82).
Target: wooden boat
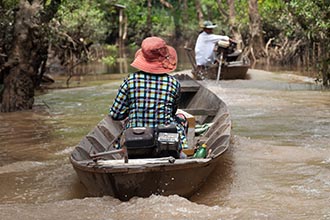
(229,71)
(102,169)
(230,64)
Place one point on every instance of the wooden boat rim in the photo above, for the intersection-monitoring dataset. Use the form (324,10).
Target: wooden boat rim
(137,168)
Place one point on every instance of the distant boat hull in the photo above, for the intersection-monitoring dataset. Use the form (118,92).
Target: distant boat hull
(231,71)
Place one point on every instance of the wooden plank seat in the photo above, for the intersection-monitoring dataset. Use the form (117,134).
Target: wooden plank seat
(200,111)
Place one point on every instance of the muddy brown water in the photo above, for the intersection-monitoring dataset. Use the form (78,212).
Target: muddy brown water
(278,166)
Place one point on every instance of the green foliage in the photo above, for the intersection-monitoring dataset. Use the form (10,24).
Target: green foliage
(9,4)
(137,14)
(313,17)
(211,12)
(111,58)
(97,20)
(241,8)
(6,27)
(83,19)
(273,12)
(108,60)
(276,22)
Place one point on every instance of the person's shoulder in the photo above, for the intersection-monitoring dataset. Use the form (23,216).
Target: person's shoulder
(131,77)
(174,80)
(171,76)
(135,75)
(201,34)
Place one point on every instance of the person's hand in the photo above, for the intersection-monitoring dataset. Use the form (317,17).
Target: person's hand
(232,40)
(124,121)
(226,38)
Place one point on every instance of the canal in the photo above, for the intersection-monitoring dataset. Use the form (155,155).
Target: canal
(278,165)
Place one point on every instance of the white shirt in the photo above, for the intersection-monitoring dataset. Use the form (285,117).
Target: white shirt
(204,47)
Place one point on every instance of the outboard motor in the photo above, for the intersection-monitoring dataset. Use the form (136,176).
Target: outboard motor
(145,142)
(167,141)
(228,48)
(139,142)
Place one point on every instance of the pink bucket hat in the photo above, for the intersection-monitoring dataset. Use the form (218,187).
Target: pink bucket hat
(155,56)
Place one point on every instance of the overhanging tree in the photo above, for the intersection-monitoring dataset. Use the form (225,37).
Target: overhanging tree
(26,60)
(313,18)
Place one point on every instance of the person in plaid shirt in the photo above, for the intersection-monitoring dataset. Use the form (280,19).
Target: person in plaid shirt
(149,97)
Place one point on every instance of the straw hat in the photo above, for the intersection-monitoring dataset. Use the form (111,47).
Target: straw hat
(208,25)
(155,56)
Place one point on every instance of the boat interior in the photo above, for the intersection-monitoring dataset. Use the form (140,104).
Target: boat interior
(202,108)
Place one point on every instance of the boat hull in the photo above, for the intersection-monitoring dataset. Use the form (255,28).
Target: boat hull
(183,180)
(232,72)
(227,72)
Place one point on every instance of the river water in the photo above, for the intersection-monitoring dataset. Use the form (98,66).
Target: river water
(278,166)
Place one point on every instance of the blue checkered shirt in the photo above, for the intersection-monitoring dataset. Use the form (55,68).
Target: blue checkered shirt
(147,100)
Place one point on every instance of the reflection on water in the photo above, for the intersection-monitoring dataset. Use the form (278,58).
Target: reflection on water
(122,65)
(277,167)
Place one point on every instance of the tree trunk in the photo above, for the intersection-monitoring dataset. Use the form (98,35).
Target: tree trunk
(185,17)
(21,72)
(325,60)
(256,41)
(18,92)
(149,22)
(233,25)
(200,16)
(177,18)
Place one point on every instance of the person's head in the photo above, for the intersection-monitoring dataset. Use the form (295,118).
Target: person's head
(155,56)
(208,27)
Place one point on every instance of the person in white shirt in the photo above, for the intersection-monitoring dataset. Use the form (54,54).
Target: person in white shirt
(204,48)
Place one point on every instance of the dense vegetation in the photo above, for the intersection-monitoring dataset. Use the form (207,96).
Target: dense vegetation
(35,32)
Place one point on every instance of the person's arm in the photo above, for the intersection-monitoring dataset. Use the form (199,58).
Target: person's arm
(120,107)
(215,38)
(177,99)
